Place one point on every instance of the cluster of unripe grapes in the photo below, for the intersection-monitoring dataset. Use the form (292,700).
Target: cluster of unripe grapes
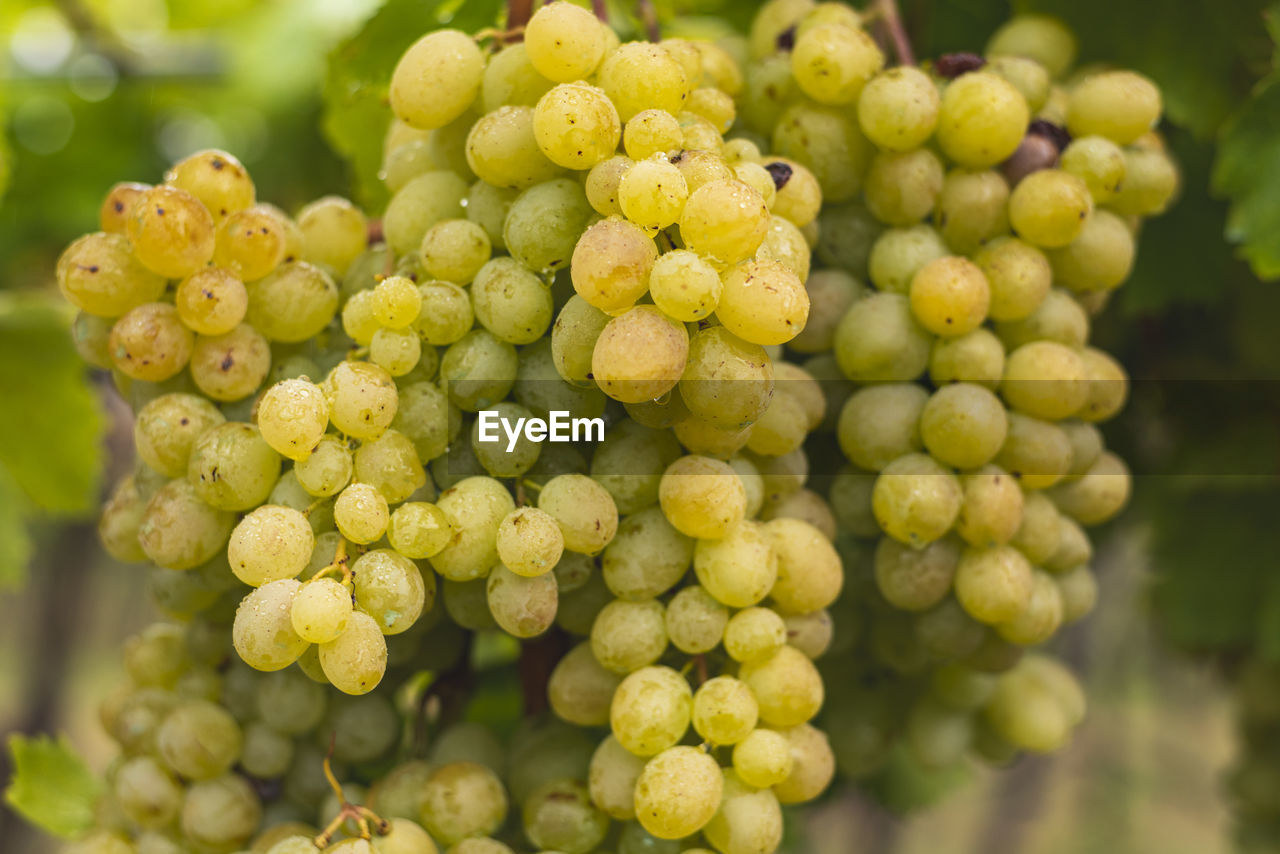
(747,258)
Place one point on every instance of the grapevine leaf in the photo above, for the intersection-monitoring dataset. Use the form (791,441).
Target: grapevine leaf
(1248,172)
(51,786)
(356,110)
(15,541)
(50,439)
(1197,52)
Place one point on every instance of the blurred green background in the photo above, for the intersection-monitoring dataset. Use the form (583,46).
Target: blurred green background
(98,91)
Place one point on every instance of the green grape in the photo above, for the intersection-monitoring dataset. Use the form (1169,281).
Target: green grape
(1049,208)
(511,78)
(267,753)
(220,814)
(212,301)
(487,206)
(781,428)
(650,710)
(1058,318)
(916,500)
(1119,105)
(559,814)
(915,579)
(455,250)
(652,194)
(397,795)
(217,179)
(390,588)
(1079,591)
(651,132)
(358,321)
(810,574)
(576,125)
(763,758)
(91,335)
(293,303)
(474,508)
(361,513)
(362,399)
(1037,453)
(584,510)
(544,223)
(121,521)
(898,108)
(1042,616)
(1097,161)
(180,531)
(899,253)
(321,610)
(758,178)
(975,357)
(747,819)
(1099,494)
(263,633)
(741,568)
(293,416)
(573,339)
(333,233)
(165,430)
(446,314)
(428,418)
(156,656)
(1108,385)
(763,302)
(981,119)
(463,799)
(1150,182)
(992,509)
(529,542)
(171,232)
(727,381)
(270,543)
(724,221)
(436,79)
(540,388)
(1043,38)
(1027,75)
(467,604)
(522,606)
(1018,274)
(390,464)
(503,150)
(612,263)
(573,571)
(396,351)
(231,467)
(150,343)
(972,208)
(1045,379)
(199,740)
(250,243)
(627,636)
(647,557)
(702,497)
(419,529)
(357,659)
(695,620)
(601,184)
(879,339)
(880,423)
(327,469)
(1099,259)
(812,634)
(901,188)
(639,76)
(113,215)
(786,686)
(405,837)
(511,302)
(994,584)
(678,792)
(850,496)
(396,302)
(564,42)
(1026,713)
(798,196)
(612,778)
(751,635)
(580,689)
(950,296)
(430,198)
(963,425)
(812,767)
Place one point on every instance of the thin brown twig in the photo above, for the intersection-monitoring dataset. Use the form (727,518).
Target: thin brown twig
(518,14)
(889,15)
(649,15)
(601,11)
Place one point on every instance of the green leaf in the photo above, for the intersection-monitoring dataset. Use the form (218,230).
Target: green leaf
(51,786)
(50,435)
(356,111)
(1248,172)
(15,541)
(1198,52)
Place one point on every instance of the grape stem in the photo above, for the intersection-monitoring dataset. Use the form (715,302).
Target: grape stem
(340,563)
(602,13)
(887,11)
(649,16)
(361,815)
(518,14)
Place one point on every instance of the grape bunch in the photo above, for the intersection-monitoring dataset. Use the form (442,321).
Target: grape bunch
(742,259)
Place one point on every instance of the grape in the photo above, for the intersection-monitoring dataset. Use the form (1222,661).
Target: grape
(171,232)
(1097,161)
(652,194)
(436,79)
(702,497)
(898,108)
(812,766)
(1045,379)
(150,343)
(580,689)
(950,296)
(901,188)
(511,302)
(390,464)
(430,198)
(113,215)
(651,132)
(975,357)
(269,544)
(992,509)
(357,659)
(293,416)
(747,819)
(221,814)
(522,606)
(462,799)
(576,125)
(650,710)
(1049,208)
(916,500)
(879,339)
(1042,616)
(981,119)
(640,76)
(627,636)
(362,399)
(972,208)
(251,243)
(1118,105)
(180,531)
(762,302)
(147,793)
(564,43)
(361,513)
(678,792)
(647,557)
(611,264)
(695,621)
(1043,38)
(446,313)
(559,814)
(963,425)
(763,758)
(232,366)
(724,221)
(474,508)
(199,740)
(1059,317)
(899,253)
(1099,258)
(1099,494)
(993,584)
(165,430)
(584,510)
(727,381)
(1150,182)
(390,588)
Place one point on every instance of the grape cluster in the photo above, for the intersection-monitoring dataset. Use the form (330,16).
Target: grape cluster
(623,232)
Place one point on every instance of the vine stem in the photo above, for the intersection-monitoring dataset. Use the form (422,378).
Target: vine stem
(888,12)
(598,7)
(518,13)
(649,16)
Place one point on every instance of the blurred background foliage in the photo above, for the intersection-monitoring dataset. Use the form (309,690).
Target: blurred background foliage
(98,91)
